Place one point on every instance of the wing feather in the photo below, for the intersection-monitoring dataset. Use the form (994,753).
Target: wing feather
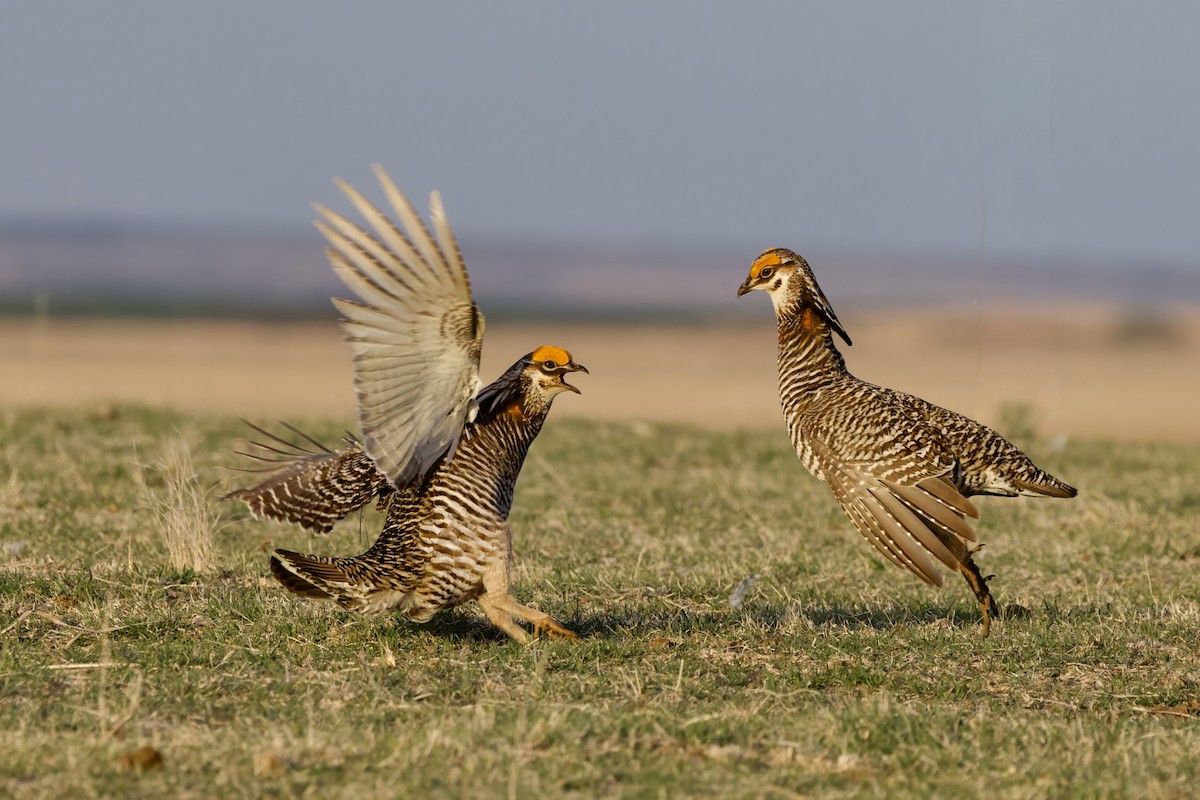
(412,326)
(904,518)
(945,491)
(923,501)
(870,533)
(311,486)
(418,234)
(900,497)
(354,280)
(365,251)
(852,490)
(390,236)
(915,559)
(446,240)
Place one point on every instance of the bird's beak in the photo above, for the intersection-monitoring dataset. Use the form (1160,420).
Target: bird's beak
(572,367)
(745,287)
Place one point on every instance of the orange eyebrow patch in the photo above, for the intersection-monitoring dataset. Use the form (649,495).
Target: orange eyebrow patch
(767,259)
(549,353)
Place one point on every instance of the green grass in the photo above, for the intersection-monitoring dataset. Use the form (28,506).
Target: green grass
(838,677)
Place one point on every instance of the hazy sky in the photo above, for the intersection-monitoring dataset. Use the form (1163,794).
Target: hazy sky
(1036,128)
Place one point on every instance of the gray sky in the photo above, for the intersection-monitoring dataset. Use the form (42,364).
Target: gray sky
(1048,128)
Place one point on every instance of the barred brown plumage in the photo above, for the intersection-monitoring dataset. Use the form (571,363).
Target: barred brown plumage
(901,467)
(313,488)
(441,457)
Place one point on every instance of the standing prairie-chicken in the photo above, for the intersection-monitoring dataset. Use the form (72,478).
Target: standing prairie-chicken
(901,467)
(439,454)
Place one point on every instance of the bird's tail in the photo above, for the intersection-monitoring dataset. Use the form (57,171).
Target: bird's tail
(1040,483)
(349,582)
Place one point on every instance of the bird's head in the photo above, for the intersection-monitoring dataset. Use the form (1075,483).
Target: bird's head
(789,281)
(546,369)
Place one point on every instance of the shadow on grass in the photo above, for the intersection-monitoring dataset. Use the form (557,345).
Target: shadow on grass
(881,618)
(780,618)
(776,619)
(456,625)
(464,626)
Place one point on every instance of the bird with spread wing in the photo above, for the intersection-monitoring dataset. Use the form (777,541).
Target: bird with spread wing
(901,467)
(438,453)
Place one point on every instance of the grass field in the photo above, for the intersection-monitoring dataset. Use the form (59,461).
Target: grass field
(837,677)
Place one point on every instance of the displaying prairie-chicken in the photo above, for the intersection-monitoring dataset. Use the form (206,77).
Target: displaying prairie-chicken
(901,467)
(440,455)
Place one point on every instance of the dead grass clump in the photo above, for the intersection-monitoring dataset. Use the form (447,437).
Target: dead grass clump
(187,518)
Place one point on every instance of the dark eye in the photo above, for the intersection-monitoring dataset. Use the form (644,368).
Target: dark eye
(766,272)
(549,366)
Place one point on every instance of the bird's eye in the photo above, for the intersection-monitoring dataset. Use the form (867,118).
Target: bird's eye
(766,272)
(549,366)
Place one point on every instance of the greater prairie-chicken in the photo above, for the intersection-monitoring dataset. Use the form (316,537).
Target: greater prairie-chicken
(901,467)
(439,454)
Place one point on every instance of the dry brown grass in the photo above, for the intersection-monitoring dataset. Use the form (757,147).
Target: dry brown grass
(1081,372)
(187,517)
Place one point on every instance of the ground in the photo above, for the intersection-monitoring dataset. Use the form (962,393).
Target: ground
(837,676)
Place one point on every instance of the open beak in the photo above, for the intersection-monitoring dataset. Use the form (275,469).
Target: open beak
(745,287)
(572,367)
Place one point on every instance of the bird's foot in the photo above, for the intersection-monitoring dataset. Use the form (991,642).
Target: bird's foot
(550,629)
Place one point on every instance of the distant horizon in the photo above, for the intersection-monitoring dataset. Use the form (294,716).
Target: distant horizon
(32,225)
(129,267)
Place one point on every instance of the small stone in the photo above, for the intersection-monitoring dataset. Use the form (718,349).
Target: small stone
(737,598)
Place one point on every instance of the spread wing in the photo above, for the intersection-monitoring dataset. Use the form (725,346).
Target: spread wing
(414,329)
(894,478)
(310,485)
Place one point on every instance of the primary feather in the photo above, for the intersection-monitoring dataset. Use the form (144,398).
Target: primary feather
(414,330)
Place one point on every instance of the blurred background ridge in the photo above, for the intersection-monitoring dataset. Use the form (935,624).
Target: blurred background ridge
(122,268)
(608,155)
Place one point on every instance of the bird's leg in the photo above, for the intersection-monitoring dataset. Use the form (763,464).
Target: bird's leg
(500,608)
(978,584)
(543,624)
(501,618)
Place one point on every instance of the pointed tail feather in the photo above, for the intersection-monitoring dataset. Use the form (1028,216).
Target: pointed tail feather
(1043,484)
(349,582)
(288,569)
(307,576)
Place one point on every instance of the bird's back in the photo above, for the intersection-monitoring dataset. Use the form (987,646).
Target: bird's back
(830,412)
(902,432)
(896,430)
(990,464)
